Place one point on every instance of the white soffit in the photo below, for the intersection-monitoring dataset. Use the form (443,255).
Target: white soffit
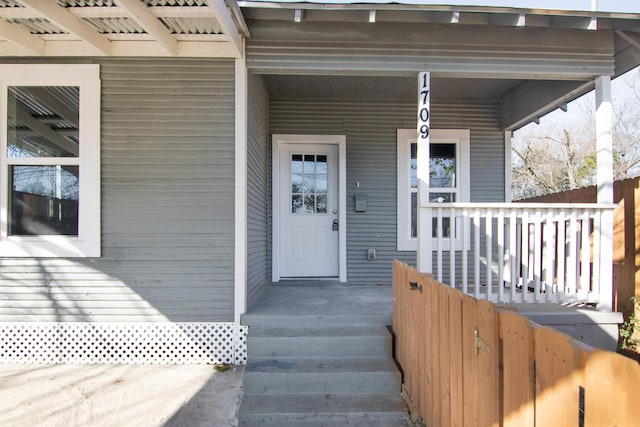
(195,28)
(575,14)
(539,6)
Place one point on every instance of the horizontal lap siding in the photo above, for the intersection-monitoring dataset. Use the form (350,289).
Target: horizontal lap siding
(370,128)
(412,47)
(257,224)
(167,205)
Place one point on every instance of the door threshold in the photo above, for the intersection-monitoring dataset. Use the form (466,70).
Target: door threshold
(307,281)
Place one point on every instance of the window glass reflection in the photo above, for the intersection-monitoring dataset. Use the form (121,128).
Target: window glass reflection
(44,200)
(442,165)
(43,121)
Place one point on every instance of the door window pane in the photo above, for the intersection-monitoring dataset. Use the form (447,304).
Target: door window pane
(309,184)
(44,200)
(321,204)
(296,203)
(43,121)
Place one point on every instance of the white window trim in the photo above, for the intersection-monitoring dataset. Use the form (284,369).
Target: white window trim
(87,243)
(405,137)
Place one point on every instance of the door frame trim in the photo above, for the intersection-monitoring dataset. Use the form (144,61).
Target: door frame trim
(341,142)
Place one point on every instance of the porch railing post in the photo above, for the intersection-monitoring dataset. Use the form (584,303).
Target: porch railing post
(604,177)
(425,261)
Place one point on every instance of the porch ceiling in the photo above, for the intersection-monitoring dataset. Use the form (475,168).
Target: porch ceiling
(119,28)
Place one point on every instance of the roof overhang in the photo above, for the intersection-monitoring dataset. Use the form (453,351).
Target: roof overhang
(296,30)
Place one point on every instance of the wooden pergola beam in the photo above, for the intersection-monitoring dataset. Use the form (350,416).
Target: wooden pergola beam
(143,16)
(228,27)
(65,19)
(22,38)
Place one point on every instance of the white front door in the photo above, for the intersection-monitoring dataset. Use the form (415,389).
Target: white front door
(308,210)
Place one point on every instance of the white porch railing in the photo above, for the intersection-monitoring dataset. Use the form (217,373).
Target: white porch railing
(522,252)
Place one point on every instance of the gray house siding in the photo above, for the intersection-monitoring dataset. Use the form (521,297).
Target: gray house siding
(307,46)
(167,205)
(370,129)
(257,190)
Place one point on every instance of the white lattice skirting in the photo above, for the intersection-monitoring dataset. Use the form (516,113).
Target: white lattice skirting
(159,343)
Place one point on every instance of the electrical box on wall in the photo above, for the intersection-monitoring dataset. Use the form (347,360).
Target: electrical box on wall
(361,202)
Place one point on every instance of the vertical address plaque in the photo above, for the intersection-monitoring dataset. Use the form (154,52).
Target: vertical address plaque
(425,263)
(424,117)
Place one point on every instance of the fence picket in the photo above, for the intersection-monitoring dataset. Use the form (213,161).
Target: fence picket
(557,379)
(456,361)
(415,322)
(470,366)
(433,351)
(442,328)
(517,370)
(611,396)
(488,359)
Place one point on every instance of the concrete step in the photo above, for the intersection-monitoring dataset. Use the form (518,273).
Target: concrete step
(335,346)
(327,410)
(315,319)
(295,330)
(346,376)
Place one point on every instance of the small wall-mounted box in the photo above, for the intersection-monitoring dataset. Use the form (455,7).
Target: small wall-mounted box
(361,202)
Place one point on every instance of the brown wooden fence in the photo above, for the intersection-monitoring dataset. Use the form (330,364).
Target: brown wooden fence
(466,362)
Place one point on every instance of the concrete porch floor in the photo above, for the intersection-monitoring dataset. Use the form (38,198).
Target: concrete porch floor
(323,299)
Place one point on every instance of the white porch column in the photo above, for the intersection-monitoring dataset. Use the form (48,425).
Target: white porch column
(425,262)
(604,179)
(240,253)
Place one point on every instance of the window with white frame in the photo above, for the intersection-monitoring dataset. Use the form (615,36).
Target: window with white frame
(50,161)
(449,179)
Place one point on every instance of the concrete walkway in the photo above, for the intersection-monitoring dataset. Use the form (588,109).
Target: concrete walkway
(119,395)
